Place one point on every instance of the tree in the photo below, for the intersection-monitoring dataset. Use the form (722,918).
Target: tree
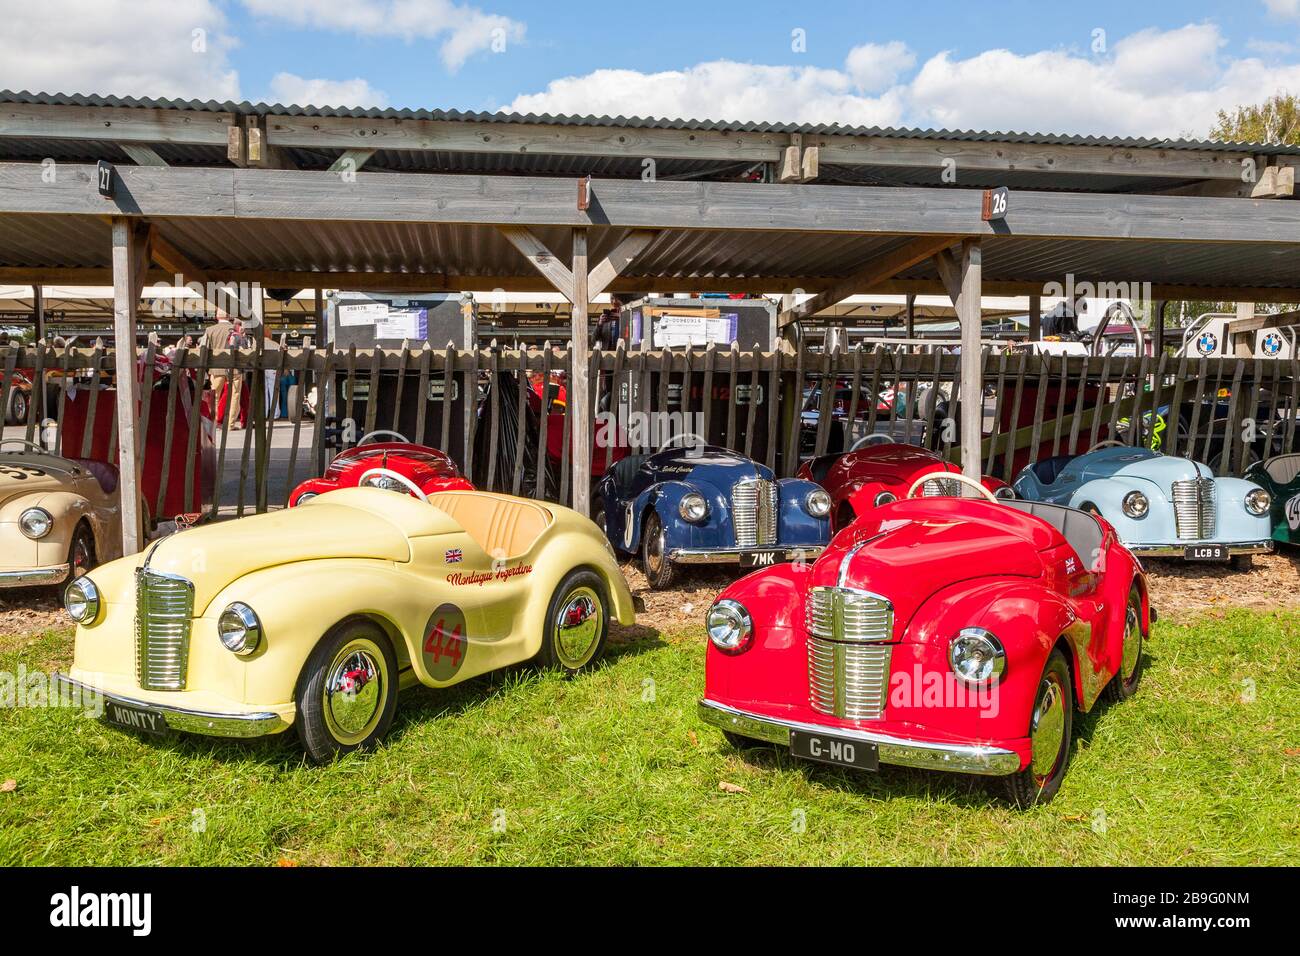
(1276,120)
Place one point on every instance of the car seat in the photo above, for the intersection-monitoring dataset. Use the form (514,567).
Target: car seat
(1081,530)
(1048,469)
(1283,469)
(502,527)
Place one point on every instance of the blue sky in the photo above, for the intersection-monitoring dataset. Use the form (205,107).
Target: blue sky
(1125,68)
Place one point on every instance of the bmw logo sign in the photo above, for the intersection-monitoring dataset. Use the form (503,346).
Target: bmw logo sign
(1208,343)
(1271,344)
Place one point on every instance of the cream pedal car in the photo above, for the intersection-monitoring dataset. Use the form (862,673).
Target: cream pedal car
(58,516)
(315,616)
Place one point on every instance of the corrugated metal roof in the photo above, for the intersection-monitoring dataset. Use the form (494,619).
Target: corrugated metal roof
(640,122)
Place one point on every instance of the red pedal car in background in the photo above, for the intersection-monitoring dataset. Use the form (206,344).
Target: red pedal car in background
(944,633)
(874,475)
(424,468)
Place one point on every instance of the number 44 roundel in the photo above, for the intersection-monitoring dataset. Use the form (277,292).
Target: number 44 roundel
(445,642)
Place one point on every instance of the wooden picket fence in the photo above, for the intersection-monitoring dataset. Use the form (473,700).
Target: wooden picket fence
(779,407)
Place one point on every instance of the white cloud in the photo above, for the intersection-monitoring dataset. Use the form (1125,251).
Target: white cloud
(464,30)
(877,66)
(721,89)
(288,88)
(1152,83)
(142,48)
(1288,9)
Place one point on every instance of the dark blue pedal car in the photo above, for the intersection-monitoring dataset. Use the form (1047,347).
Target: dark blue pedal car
(708,505)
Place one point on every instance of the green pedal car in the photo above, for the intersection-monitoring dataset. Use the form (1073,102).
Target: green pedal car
(1280,475)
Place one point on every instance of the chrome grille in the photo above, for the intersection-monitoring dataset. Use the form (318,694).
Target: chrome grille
(754,507)
(848,665)
(941,487)
(164,606)
(1194,510)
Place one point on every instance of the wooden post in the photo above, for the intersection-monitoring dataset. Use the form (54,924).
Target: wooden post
(1035,317)
(972,366)
(579,402)
(38,312)
(1158,323)
(909,318)
(319,309)
(128,274)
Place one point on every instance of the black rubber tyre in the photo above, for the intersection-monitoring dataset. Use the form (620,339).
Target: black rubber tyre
(330,728)
(659,569)
(81,553)
(1242,562)
(1027,788)
(598,514)
(577,623)
(1125,683)
(17,412)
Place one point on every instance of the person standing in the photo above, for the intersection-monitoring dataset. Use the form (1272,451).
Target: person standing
(227,384)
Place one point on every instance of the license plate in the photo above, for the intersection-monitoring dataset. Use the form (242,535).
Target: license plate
(134,718)
(827,748)
(759,559)
(1206,552)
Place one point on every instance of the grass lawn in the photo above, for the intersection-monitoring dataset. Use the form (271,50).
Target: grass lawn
(1202,767)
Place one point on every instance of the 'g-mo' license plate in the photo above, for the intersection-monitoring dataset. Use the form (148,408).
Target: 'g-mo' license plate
(828,748)
(1206,552)
(134,718)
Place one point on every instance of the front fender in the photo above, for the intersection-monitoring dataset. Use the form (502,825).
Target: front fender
(1107,496)
(796,526)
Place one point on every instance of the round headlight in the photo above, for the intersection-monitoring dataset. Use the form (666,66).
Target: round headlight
(730,626)
(239,629)
(81,601)
(692,507)
(885,497)
(976,656)
(387,482)
(1005,493)
(1258,501)
(35,523)
(307,496)
(818,503)
(1135,504)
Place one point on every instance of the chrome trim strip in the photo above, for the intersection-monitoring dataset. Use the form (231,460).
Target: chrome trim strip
(957,758)
(1176,550)
(33,577)
(191,721)
(732,555)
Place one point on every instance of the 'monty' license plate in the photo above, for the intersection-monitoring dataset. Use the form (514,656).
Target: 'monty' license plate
(134,718)
(828,748)
(759,559)
(1206,552)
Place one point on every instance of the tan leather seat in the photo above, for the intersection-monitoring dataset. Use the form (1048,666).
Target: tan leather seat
(503,527)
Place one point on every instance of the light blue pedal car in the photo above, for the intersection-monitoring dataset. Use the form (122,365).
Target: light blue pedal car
(1159,505)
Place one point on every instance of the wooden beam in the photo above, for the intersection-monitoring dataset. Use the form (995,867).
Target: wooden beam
(128,239)
(1035,317)
(609,268)
(352,160)
(248,194)
(757,146)
(541,258)
(949,269)
(142,155)
(972,360)
(261,154)
(177,263)
(115,124)
(579,388)
(877,270)
(38,311)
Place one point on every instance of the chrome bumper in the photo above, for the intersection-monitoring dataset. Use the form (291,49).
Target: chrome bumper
(1177,550)
(732,555)
(959,758)
(34,577)
(189,721)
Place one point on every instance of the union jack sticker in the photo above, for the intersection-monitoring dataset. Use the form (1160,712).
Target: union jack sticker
(454,556)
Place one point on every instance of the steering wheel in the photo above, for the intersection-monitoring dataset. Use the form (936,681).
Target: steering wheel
(410,486)
(676,438)
(955,476)
(383,431)
(1109,442)
(40,449)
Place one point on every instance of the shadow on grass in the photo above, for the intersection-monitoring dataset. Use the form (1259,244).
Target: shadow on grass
(892,782)
(415,706)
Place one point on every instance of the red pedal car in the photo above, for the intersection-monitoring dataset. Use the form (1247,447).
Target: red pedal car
(874,475)
(422,467)
(944,633)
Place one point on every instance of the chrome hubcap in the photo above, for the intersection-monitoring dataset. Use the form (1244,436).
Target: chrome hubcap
(354,691)
(655,551)
(578,626)
(1132,646)
(80,557)
(1048,730)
